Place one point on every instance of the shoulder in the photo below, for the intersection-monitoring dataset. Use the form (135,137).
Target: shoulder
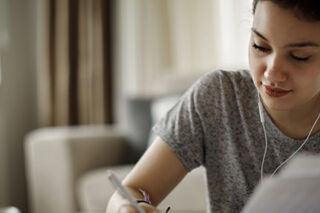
(233,76)
(225,81)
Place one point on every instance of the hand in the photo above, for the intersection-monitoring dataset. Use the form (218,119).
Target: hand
(127,208)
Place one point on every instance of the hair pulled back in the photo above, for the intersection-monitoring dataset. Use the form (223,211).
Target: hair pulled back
(307,10)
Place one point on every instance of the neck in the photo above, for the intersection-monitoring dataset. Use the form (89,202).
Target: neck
(296,123)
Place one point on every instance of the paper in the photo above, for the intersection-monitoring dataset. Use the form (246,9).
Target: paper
(295,190)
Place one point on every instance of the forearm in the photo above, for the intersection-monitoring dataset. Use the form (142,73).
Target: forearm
(148,175)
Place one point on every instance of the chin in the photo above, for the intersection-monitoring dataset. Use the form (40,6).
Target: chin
(278,107)
(277,104)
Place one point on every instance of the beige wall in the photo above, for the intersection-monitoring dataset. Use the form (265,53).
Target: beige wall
(17,100)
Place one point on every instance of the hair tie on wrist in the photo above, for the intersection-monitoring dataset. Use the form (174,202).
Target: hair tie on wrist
(146,198)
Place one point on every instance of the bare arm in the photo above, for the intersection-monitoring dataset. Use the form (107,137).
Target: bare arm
(158,171)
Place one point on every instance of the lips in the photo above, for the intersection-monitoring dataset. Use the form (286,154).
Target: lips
(275,92)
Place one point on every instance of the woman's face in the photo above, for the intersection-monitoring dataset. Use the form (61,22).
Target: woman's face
(284,57)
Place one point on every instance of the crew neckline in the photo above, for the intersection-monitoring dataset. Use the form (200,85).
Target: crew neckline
(277,133)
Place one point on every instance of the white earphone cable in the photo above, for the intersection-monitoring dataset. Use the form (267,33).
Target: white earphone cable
(265,151)
(305,141)
(266,144)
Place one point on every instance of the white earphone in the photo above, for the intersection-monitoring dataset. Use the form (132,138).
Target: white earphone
(266,141)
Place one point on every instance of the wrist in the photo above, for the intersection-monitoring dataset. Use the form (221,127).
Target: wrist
(146,197)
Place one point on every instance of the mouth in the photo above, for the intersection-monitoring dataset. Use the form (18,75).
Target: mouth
(275,91)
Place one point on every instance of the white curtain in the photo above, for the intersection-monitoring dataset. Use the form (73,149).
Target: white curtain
(4,40)
(161,38)
(4,37)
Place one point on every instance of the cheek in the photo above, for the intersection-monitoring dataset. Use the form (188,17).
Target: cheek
(306,75)
(313,80)
(307,82)
(252,62)
(256,65)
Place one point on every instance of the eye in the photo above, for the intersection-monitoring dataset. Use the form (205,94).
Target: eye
(260,48)
(300,58)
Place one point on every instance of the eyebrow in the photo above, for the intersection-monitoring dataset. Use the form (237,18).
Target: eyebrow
(302,44)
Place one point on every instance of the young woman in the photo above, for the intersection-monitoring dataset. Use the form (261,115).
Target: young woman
(217,123)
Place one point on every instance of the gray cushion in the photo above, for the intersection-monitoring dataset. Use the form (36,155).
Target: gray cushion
(139,123)
(159,107)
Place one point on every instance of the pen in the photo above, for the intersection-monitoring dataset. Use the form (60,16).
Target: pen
(123,191)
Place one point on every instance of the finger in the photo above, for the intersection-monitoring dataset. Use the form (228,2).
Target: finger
(149,208)
(127,208)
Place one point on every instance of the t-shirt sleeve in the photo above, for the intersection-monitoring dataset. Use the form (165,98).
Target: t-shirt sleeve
(181,128)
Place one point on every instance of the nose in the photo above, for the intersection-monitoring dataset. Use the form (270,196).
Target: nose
(275,70)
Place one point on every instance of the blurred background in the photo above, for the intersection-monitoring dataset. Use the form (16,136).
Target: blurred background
(74,62)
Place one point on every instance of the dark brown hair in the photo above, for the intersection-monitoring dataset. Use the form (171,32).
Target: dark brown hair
(308,10)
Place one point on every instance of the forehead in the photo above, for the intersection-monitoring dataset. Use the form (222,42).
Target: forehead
(274,21)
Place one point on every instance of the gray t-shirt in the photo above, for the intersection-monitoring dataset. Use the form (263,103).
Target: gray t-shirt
(216,124)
